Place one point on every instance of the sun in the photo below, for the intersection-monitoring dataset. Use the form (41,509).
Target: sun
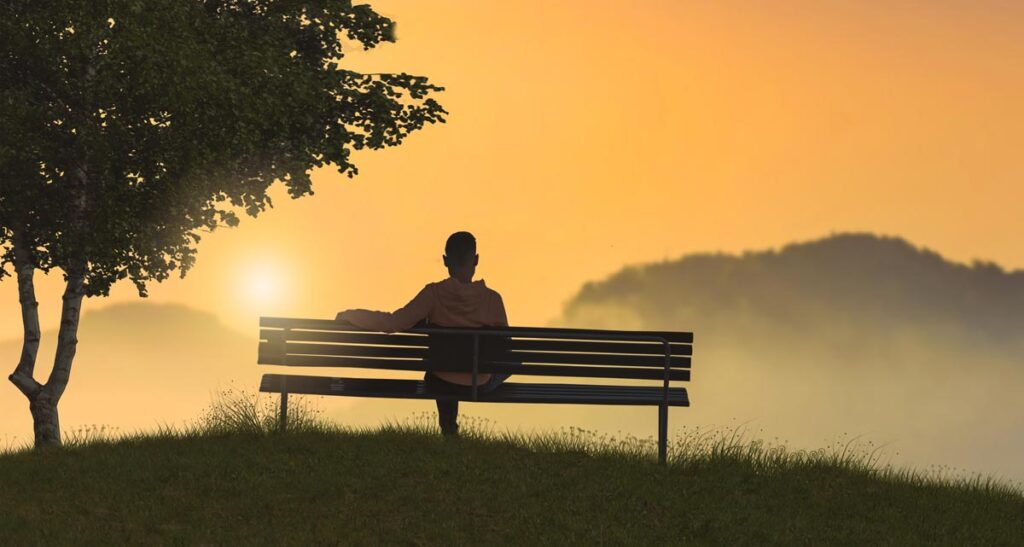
(262,285)
(258,287)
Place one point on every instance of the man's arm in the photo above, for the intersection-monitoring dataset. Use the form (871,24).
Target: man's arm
(401,319)
(502,318)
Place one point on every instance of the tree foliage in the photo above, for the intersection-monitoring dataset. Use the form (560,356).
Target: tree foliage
(128,128)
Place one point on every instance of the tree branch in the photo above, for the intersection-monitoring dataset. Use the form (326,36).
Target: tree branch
(67,337)
(31,78)
(23,267)
(27,386)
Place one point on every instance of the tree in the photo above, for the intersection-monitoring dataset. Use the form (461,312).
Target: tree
(129,128)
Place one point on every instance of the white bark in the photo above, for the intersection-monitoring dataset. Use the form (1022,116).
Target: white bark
(23,372)
(44,405)
(43,399)
(67,338)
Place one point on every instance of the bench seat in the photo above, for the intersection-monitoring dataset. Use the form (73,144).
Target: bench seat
(569,354)
(507,392)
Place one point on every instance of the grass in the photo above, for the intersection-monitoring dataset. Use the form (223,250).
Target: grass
(232,477)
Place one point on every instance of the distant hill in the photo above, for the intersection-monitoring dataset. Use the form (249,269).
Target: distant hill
(137,364)
(850,288)
(851,333)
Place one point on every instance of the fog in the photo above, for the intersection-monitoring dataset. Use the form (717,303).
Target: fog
(849,336)
(852,336)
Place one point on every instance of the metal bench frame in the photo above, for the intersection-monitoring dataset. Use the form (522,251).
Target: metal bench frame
(269,354)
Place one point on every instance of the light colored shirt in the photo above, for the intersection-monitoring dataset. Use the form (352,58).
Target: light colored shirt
(448,303)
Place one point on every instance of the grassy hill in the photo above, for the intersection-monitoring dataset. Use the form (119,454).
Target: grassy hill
(407,485)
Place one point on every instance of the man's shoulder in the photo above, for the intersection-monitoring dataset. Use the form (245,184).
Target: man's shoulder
(489,290)
(450,284)
(494,295)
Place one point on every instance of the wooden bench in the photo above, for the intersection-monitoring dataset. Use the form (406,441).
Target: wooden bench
(663,357)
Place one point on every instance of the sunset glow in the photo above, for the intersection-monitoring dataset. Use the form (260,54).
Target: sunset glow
(587,136)
(695,126)
(262,286)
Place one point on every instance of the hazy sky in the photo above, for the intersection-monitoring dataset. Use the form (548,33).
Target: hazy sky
(585,135)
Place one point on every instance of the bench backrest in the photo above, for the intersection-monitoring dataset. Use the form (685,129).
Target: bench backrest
(519,350)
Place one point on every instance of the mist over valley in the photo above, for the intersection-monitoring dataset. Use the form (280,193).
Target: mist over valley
(812,344)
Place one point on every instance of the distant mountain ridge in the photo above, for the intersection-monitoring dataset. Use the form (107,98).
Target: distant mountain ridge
(130,319)
(849,333)
(857,281)
(138,363)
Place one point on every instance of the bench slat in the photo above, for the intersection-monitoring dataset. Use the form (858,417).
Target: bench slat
(678,375)
(331,325)
(306,348)
(365,337)
(576,346)
(340,361)
(422,340)
(583,371)
(303,348)
(509,392)
(598,359)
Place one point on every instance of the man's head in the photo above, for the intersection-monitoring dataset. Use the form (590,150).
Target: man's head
(460,256)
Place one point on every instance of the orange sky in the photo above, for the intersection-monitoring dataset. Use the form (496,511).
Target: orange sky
(587,135)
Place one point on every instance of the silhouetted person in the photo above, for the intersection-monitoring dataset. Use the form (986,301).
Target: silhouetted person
(458,301)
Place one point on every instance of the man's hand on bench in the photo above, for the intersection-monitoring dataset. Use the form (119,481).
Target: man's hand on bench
(347,316)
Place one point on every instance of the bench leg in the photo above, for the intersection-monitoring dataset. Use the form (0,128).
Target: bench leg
(662,433)
(283,423)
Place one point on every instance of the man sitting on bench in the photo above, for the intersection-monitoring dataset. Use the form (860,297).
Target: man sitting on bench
(458,301)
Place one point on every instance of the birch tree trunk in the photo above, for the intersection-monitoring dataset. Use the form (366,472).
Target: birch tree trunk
(45,419)
(43,399)
(24,270)
(44,407)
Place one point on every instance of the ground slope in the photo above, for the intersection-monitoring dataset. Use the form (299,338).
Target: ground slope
(410,488)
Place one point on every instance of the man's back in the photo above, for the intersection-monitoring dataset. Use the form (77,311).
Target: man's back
(447,303)
(458,304)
